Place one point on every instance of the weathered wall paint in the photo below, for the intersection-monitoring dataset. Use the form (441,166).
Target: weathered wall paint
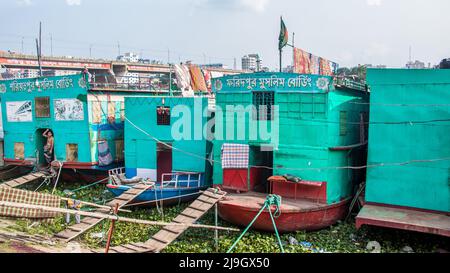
(308,124)
(399,96)
(188,155)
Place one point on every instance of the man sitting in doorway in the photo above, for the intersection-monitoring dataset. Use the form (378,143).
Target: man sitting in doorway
(48,148)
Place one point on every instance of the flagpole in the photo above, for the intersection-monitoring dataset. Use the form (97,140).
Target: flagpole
(281,57)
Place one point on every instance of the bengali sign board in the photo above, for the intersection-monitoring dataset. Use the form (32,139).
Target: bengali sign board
(43,84)
(273,82)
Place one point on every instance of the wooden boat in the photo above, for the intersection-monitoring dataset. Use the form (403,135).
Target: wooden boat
(321,129)
(296,214)
(175,188)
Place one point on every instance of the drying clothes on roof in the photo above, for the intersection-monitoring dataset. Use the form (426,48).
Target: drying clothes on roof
(235,156)
(197,80)
(183,80)
(207,76)
(315,64)
(301,61)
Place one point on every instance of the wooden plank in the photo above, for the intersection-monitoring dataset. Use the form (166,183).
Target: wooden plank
(189,215)
(192,212)
(184,219)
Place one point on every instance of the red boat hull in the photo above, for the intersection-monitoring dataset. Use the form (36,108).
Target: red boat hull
(300,214)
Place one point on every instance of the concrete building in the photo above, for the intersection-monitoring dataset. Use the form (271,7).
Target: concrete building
(129,57)
(251,62)
(415,65)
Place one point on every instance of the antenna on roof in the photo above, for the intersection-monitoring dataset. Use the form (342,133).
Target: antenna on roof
(39,48)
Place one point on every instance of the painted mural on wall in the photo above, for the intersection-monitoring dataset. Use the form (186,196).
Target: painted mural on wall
(19,111)
(68,109)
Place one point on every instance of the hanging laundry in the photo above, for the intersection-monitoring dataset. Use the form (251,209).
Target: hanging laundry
(325,68)
(104,154)
(183,80)
(197,80)
(301,61)
(315,64)
(207,76)
(235,156)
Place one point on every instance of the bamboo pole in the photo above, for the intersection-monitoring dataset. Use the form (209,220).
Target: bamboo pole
(94,204)
(111,217)
(111,230)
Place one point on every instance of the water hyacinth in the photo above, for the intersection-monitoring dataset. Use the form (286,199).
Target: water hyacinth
(340,238)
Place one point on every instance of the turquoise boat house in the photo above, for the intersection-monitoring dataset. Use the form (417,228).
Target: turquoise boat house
(408,187)
(87,124)
(165,136)
(314,127)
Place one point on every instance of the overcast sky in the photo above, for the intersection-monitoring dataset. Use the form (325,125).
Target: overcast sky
(349,32)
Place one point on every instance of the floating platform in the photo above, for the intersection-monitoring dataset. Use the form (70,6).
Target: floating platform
(404,218)
(296,214)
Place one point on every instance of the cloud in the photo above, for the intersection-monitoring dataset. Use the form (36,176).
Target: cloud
(24,3)
(374,2)
(376,50)
(257,6)
(73,2)
(254,5)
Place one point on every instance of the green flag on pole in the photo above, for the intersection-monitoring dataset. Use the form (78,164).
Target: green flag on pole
(283,39)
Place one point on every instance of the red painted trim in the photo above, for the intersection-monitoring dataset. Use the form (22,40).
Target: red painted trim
(17,162)
(76,165)
(112,186)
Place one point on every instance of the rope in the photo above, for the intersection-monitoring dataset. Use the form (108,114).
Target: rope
(271,200)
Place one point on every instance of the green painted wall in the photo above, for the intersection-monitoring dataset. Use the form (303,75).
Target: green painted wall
(399,96)
(309,124)
(188,153)
(77,132)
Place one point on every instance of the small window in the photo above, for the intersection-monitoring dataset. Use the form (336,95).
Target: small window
(19,150)
(119,150)
(71,152)
(263,102)
(42,107)
(343,123)
(163,115)
(96,112)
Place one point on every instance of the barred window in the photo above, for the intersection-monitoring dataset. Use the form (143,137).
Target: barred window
(263,102)
(163,115)
(42,107)
(343,123)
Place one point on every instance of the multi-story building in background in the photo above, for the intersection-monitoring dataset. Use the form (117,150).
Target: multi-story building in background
(415,65)
(129,57)
(251,62)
